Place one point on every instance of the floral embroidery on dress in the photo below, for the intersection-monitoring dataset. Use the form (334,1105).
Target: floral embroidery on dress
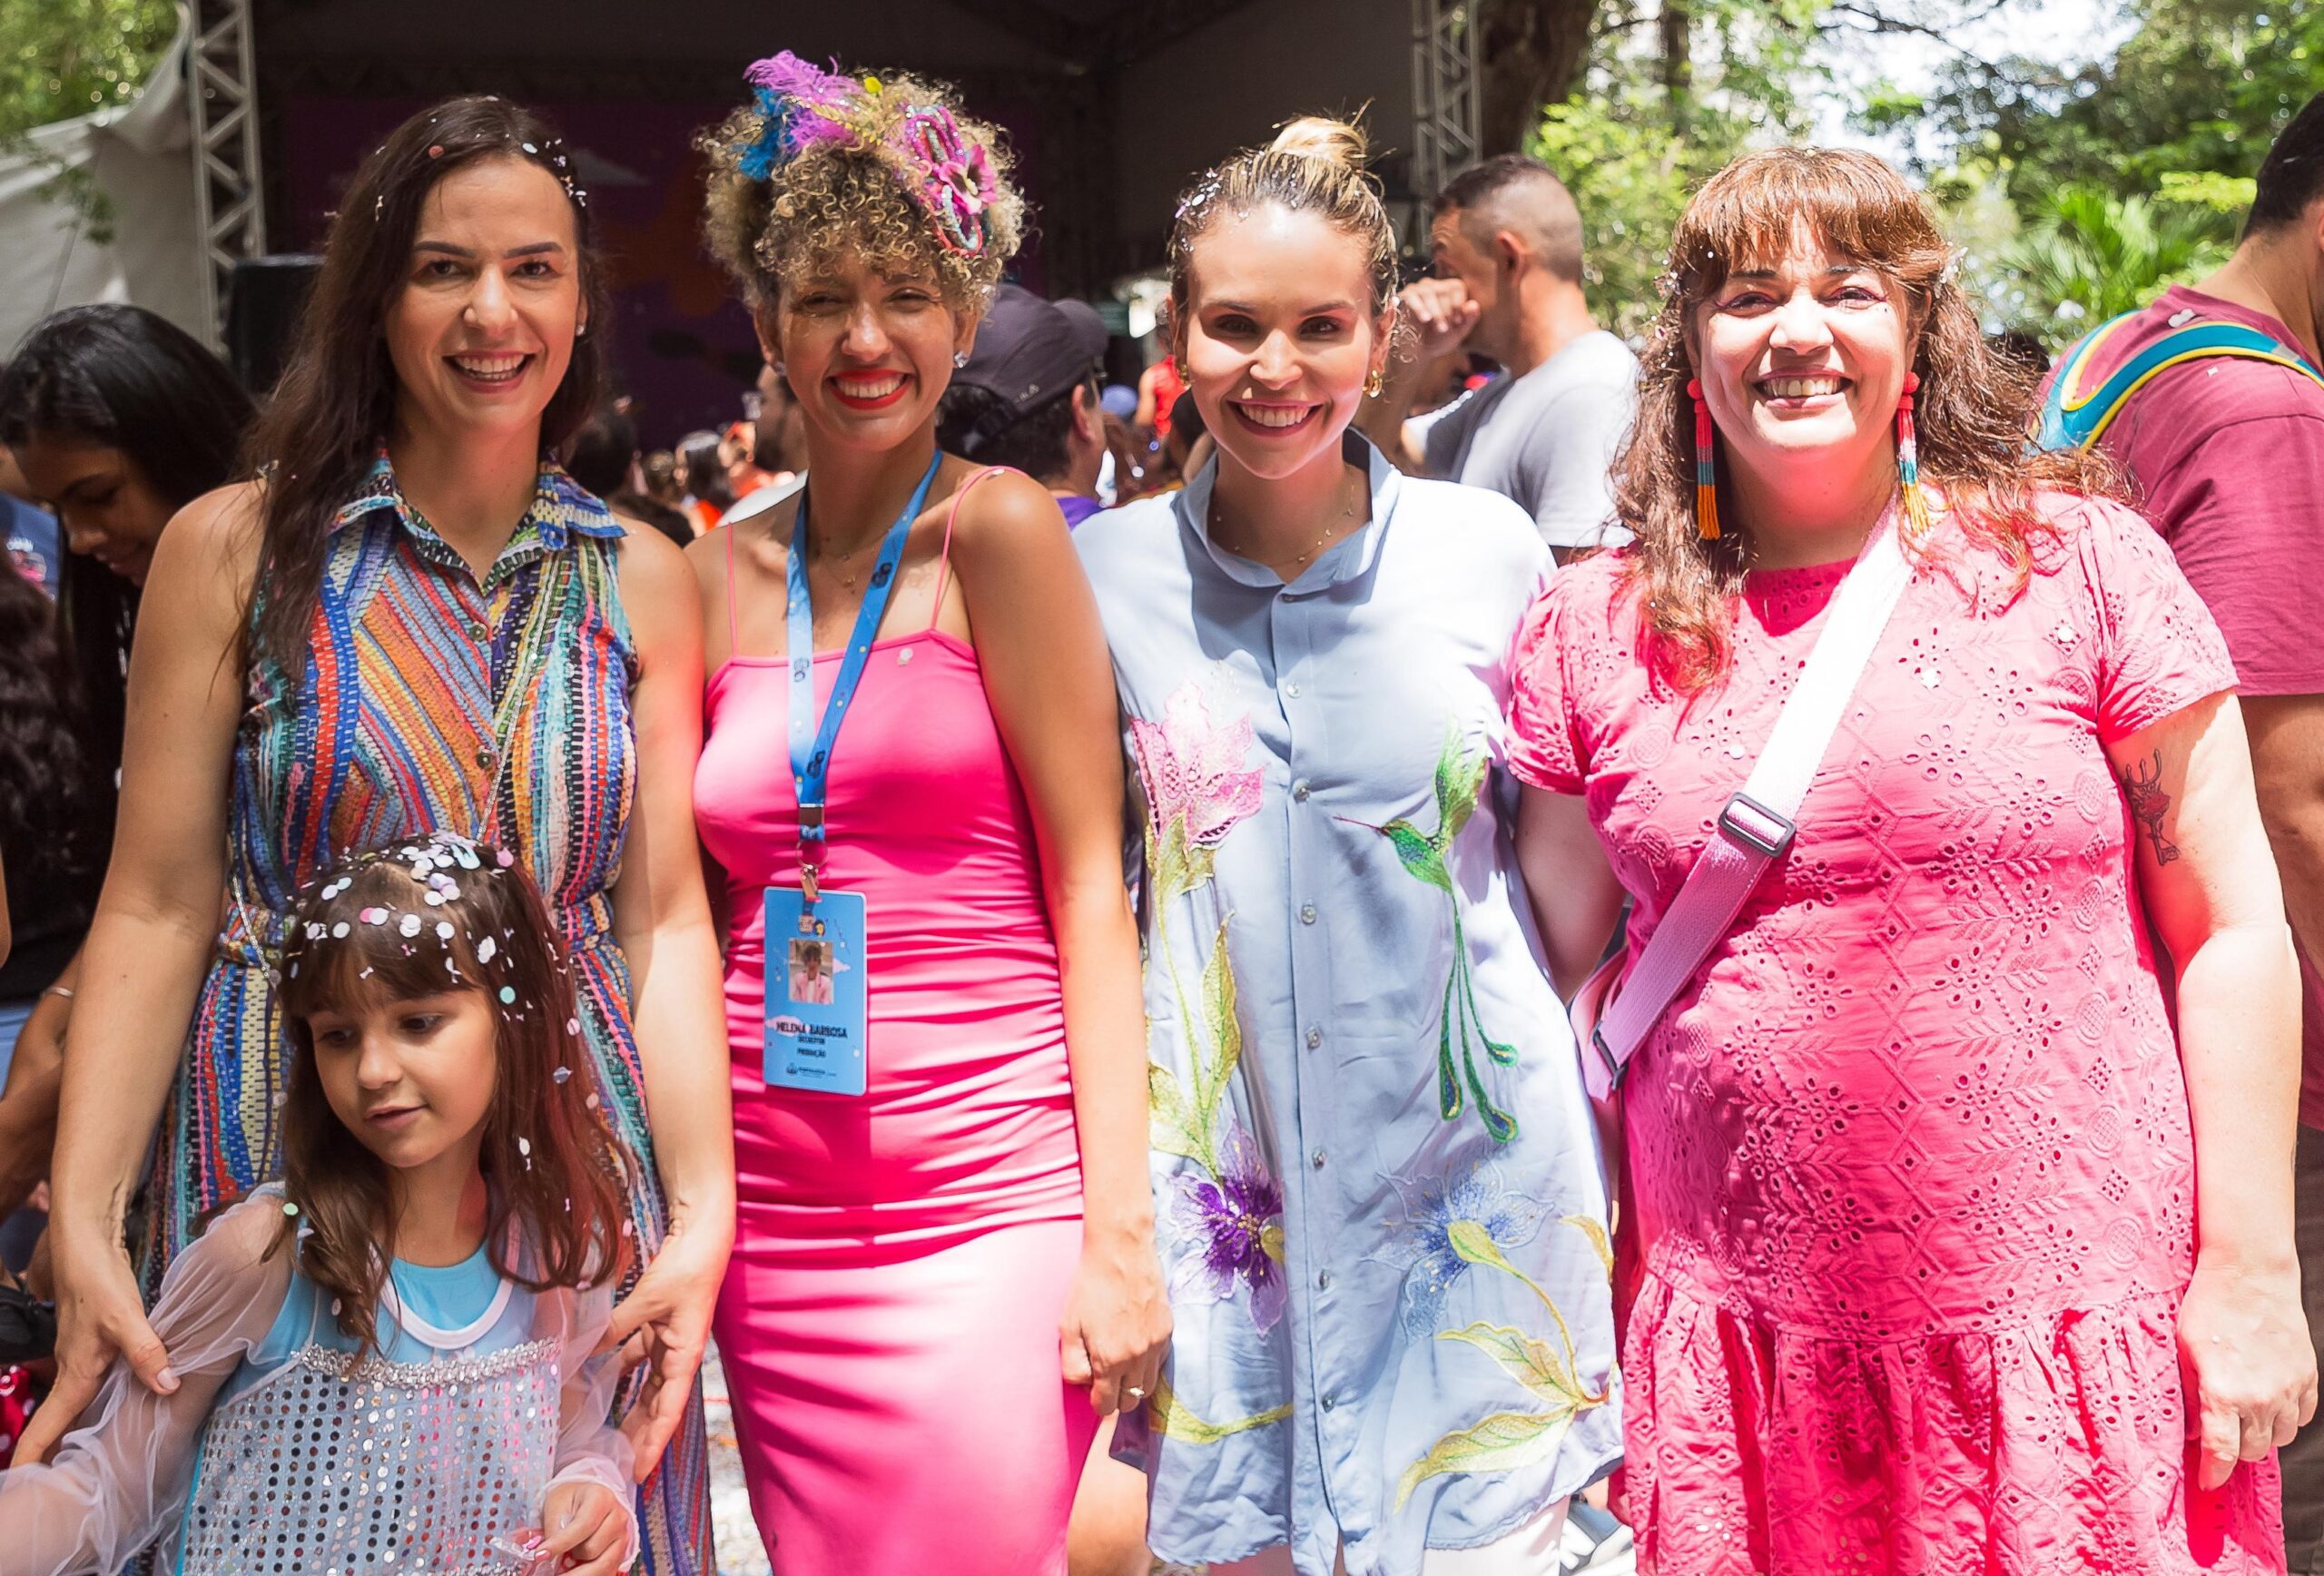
(1472,1221)
(1226,1216)
(1431,1262)
(1234,1220)
(1460,778)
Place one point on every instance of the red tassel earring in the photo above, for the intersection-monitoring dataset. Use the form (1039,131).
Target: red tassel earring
(1908,463)
(1706,467)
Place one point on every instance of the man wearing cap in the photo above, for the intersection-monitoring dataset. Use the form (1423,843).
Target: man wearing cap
(1029,398)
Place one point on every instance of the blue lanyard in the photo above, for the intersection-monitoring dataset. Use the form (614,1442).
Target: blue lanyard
(811,752)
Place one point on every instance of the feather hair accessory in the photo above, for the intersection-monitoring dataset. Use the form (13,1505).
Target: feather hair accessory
(800,104)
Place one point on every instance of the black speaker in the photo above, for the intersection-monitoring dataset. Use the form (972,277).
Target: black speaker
(262,306)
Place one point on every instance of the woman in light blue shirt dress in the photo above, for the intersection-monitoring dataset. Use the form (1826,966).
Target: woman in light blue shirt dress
(1379,1197)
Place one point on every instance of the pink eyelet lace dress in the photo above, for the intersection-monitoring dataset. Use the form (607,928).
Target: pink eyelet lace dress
(282,1454)
(1913,1173)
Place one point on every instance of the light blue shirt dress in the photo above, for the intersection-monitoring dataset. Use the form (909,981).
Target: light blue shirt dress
(1376,1184)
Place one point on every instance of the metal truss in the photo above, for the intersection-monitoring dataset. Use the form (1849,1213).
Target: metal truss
(1446,91)
(223,100)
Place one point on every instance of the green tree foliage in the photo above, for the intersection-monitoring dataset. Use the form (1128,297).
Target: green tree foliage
(2123,174)
(1672,93)
(2201,87)
(62,58)
(2091,256)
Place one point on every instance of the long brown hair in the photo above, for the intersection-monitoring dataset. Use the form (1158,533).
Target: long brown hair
(318,435)
(1970,414)
(367,928)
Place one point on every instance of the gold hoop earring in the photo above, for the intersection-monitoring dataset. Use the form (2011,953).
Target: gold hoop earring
(1374,383)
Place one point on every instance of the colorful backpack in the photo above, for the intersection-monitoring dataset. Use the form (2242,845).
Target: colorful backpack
(2071,418)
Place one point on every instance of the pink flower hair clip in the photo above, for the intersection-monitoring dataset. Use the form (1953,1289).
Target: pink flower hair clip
(955,176)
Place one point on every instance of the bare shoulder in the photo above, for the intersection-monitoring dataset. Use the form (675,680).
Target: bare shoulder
(654,568)
(209,552)
(1005,513)
(708,556)
(223,524)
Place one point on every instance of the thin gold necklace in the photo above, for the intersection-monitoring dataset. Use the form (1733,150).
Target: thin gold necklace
(1227,539)
(834,561)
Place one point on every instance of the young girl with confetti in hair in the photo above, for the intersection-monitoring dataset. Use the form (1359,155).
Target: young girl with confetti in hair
(436,1406)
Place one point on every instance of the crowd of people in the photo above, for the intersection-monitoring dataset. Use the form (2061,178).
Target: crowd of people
(1423,928)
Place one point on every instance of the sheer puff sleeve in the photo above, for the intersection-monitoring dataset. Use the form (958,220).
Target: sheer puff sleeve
(589,1448)
(118,1481)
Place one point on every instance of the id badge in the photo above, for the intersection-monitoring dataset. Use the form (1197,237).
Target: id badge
(816,1025)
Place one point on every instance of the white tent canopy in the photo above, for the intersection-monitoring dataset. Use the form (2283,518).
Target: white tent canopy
(140,156)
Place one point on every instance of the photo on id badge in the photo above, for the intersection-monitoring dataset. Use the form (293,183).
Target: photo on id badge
(815,1019)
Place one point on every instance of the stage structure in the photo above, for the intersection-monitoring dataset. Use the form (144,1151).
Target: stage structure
(1446,91)
(1110,105)
(228,193)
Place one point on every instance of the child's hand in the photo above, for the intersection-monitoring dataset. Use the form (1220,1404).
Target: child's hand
(583,1528)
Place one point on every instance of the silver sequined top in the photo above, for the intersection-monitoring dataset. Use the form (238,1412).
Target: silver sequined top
(283,1453)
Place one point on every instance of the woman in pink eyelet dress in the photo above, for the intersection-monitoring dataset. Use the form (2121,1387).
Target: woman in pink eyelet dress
(1919,1278)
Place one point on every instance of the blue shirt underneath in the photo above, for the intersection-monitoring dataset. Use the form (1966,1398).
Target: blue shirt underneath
(34,543)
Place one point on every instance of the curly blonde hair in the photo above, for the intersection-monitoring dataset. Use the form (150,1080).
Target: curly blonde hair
(775,217)
(1970,414)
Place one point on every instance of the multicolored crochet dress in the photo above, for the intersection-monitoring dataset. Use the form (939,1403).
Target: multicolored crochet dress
(430,701)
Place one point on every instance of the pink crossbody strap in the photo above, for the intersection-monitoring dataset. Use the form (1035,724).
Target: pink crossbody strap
(1758,823)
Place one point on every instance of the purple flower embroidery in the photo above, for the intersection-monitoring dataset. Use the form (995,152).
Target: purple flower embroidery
(1197,787)
(1233,1226)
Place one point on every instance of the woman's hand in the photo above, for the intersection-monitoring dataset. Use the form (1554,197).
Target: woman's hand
(1117,1325)
(665,1322)
(2250,1371)
(661,918)
(584,1528)
(99,1315)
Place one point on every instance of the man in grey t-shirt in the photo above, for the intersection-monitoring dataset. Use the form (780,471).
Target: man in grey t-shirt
(1507,242)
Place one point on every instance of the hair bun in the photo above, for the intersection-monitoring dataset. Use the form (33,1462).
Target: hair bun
(1336,142)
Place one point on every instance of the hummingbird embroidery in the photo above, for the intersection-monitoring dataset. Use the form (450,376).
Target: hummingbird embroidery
(1460,778)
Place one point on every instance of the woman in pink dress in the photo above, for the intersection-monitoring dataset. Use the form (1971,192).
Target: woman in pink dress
(913,1240)
(1948,1255)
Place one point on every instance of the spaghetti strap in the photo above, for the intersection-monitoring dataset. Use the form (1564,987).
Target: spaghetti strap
(733,590)
(944,558)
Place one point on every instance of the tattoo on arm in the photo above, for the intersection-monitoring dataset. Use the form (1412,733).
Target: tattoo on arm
(2142,786)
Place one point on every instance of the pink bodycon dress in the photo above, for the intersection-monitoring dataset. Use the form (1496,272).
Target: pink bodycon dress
(889,1323)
